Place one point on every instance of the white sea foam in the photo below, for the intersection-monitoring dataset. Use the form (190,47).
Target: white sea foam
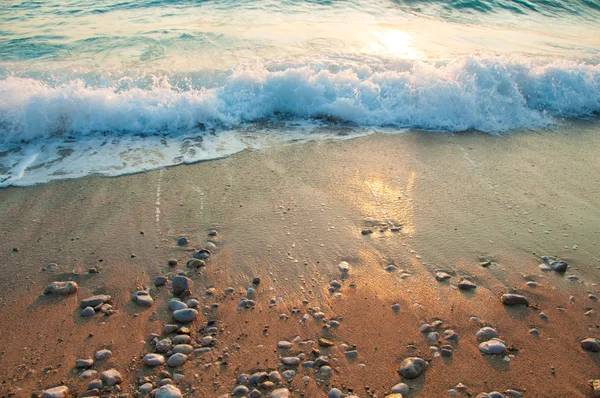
(52,130)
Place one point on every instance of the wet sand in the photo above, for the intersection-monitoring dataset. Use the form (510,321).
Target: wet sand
(290,215)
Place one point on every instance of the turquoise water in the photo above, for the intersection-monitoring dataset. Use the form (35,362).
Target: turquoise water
(114,87)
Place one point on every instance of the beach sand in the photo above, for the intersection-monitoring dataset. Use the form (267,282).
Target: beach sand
(290,215)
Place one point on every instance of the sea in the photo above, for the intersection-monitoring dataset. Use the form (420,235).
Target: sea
(112,87)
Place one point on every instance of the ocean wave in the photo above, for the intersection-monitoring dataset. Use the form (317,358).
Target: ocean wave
(490,94)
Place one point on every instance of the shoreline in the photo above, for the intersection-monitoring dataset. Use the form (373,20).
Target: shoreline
(290,215)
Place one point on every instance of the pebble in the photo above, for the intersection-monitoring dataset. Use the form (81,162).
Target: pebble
(280,393)
(111,377)
(259,377)
(142,298)
(325,343)
(412,367)
(154,360)
(241,390)
(181,339)
(176,359)
(95,392)
(425,328)
(573,277)
(202,254)
(590,344)
(513,393)
(88,374)
(514,299)
(344,267)
(172,262)
(325,371)
(256,280)
(185,315)
(493,346)
(400,388)
(168,391)
(95,301)
(596,387)
(543,316)
(275,377)
(486,333)
(433,336)
(56,392)
(183,241)
(532,284)
(163,345)
(334,393)
(285,345)
(87,312)
(466,285)
(450,335)
(206,341)
(160,281)
(183,349)
(175,305)
(97,383)
(84,363)
(61,288)
(195,263)
(442,276)
(212,232)
(193,303)
(181,284)
(352,354)
(291,361)
(103,354)
(288,374)
(396,307)
(534,332)
(146,387)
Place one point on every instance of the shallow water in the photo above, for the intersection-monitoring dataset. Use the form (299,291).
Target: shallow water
(116,87)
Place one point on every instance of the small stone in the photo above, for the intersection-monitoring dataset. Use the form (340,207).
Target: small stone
(514,299)
(63,288)
(84,363)
(486,333)
(181,339)
(466,285)
(95,301)
(172,262)
(160,281)
(103,354)
(142,298)
(513,394)
(543,316)
(352,354)
(442,276)
(181,284)
(280,393)
(193,303)
(396,307)
(256,280)
(258,377)
(344,267)
(291,361)
(493,346)
(88,374)
(206,341)
(168,391)
(183,241)
(175,305)
(95,392)
(325,343)
(183,349)
(334,393)
(275,377)
(111,377)
(195,263)
(590,344)
(433,336)
(425,328)
(185,315)
(212,233)
(559,266)
(241,390)
(146,388)
(154,360)
(450,335)
(163,345)
(325,371)
(87,312)
(202,254)
(56,392)
(285,345)
(412,367)
(97,383)
(532,284)
(176,360)
(400,388)
(596,388)
(288,374)
(534,332)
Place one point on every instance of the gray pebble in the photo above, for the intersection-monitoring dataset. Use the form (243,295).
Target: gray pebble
(146,387)
(334,393)
(285,345)
(56,392)
(154,360)
(181,284)
(142,298)
(176,360)
(352,354)
(185,315)
(160,281)
(170,328)
(442,276)
(241,390)
(195,263)
(84,363)
(97,383)
(61,288)
(175,305)
(291,361)
(95,301)
(183,241)
(168,391)
(111,377)
(183,349)
(514,299)
(103,354)
(466,285)
(280,393)
(193,303)
(275,377)
(494,346)
(412,367)
(288,374)
(486,333)
(88,311)
(590,344)
(400,388)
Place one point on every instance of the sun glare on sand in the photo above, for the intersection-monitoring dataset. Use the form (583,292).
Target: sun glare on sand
(394,42)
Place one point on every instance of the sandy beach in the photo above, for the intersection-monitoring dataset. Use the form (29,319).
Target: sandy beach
(395,210)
